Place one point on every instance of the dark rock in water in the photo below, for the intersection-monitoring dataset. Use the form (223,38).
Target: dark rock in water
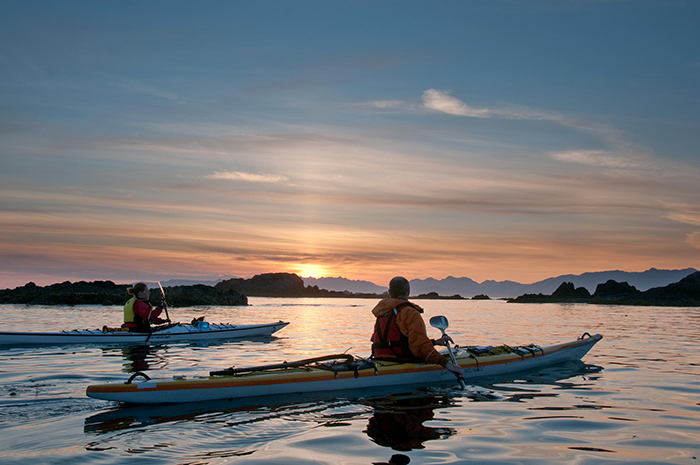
(109,293)
(613,288)
(199,294)
(481,297)
(266,285)
(436,296)
(566,291)
(532,299)
(282,285)
(685,293)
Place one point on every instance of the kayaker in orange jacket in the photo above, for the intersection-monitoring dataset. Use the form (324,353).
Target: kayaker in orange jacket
(400,332)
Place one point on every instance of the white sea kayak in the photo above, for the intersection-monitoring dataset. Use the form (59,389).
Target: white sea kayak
(168,333)
(337,372)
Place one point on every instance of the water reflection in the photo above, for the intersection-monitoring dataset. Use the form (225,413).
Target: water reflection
(143,358)
(227,413)
(396,459)
(574,375)
(398,421)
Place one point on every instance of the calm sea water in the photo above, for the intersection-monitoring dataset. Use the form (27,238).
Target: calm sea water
(635,399)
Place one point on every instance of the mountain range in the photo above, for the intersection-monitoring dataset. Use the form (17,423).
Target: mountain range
(467,287)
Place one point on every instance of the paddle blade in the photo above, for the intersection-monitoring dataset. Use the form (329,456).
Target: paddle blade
(439,322)
(162,292)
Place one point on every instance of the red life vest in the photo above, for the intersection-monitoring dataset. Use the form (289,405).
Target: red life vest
(388,341)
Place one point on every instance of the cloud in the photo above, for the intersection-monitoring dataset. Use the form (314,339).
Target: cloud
(600,158)
(443,102)
(694,239)
(384,104)
(688,214)
(249,177)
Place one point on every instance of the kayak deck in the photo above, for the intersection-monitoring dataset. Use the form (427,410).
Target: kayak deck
(173,332)
(338,372)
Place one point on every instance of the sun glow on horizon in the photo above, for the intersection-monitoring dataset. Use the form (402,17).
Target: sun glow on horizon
(311,270)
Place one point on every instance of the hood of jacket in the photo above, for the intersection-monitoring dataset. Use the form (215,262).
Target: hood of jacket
(387,304)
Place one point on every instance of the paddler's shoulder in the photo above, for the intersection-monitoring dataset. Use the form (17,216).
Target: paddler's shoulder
(388,303)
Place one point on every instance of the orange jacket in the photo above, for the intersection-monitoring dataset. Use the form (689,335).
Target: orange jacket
(411,324)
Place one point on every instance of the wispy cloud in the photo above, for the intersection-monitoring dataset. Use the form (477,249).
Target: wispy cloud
(384,104)
(443,102)
(249,177)
(688,214)
(600,158)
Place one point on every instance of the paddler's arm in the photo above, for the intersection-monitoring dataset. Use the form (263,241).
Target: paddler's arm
(449,365)
(145,311)
(411,323)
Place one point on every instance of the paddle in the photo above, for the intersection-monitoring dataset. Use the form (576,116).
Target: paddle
(165,305)
(441,323)
(277,366)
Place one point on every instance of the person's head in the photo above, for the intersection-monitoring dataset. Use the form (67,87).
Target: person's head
(140,291)
(399,288)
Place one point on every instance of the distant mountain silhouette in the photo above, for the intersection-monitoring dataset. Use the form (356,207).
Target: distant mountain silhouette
(343,284)
(188,282)
(467,287)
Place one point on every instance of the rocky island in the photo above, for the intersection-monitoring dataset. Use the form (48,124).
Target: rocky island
(109,293)
(684,293)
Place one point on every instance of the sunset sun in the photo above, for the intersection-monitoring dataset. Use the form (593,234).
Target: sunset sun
(311,271)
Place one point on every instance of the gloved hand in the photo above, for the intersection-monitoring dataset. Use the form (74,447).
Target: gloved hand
(159,321)
(456,369)
(443,340)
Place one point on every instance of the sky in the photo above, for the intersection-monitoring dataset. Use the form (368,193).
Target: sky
(497,140)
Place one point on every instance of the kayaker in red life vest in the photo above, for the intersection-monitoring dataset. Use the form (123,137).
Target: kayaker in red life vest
(138,312)
(400,331)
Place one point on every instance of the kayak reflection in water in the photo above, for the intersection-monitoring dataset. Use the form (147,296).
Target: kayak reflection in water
(398,423)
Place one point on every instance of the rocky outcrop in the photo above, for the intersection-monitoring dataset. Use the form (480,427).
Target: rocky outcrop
(109,293)
(436,296)
(199,294)
(566,291)
(685,293)
(266,285)
(67,293)
(282,285)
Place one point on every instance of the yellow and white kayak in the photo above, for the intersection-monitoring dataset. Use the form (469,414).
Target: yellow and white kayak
(337,372)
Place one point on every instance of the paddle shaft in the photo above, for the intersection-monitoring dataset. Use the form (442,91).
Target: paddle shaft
(165,304)
(460,378)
